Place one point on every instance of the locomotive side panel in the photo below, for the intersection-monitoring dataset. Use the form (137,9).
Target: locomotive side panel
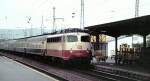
(54,46)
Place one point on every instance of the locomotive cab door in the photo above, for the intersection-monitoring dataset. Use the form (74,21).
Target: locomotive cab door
(63,45)
(44,42)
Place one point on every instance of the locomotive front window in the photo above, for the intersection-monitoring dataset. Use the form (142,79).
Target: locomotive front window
(72,38)
(85,38)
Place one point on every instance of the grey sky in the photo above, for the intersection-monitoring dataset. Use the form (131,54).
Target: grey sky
(15,13)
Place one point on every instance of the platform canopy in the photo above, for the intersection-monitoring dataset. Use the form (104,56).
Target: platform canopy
(139,25)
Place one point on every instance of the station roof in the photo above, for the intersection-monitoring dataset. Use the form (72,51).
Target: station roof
(138,25)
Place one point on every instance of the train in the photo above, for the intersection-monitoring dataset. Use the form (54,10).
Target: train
(69,45)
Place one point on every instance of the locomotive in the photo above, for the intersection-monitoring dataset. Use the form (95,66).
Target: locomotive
(66,46)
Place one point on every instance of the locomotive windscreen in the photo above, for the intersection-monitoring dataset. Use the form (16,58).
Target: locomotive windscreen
(72,38)
(85,38)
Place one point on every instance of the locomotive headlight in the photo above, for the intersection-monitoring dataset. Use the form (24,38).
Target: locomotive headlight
(87,50)
(71,50)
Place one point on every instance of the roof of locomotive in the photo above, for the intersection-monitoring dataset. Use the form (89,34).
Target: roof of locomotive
(65,34)
(65,31)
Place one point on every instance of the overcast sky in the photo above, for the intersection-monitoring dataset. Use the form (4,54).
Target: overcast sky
(15,13)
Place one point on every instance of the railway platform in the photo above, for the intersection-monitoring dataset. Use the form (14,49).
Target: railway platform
(135,71)
(13,71)
(110,63)
(132,69)
(127,70)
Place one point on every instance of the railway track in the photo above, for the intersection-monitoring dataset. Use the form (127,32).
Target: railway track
(112,77)
(105,76)
(75,74)
(128,75)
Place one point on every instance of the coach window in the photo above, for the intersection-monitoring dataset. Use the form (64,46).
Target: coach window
(72,38)
(49,40)
(57,39)
(85,38)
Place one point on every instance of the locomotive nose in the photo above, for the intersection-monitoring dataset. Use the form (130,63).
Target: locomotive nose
(81,53)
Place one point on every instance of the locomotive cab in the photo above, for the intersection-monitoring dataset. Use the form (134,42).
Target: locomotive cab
(69,46)
(77,45)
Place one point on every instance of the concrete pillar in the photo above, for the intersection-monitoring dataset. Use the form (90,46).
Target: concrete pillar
(116,55)
(97,41)
(97,38)
(144,54)
(144,41)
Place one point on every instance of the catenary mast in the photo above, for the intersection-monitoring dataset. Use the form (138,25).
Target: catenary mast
(82,15)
